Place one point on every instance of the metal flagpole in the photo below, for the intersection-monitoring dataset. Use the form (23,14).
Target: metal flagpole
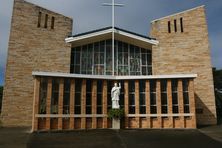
(113,4)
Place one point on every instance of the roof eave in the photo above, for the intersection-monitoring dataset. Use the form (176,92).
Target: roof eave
(110,77)
(151,41)
(73,39)
(107,31)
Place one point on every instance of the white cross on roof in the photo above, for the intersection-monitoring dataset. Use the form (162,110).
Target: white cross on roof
(113,4)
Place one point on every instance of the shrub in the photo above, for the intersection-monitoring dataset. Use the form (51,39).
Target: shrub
(116,113)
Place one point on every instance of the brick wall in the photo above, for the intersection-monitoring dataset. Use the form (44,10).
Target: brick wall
(94,120)
(32,48)
(187,52)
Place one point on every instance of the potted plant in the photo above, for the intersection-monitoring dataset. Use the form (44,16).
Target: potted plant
(116,115)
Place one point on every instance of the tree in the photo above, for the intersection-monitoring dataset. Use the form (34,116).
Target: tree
(1,95)
(217,74)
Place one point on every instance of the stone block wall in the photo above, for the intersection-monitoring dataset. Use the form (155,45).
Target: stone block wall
(37,43)
(186,50)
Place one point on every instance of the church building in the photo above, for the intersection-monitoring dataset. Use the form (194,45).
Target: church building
(58,81)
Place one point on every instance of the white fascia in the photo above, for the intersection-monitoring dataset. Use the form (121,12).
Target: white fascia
(151,41)
(72,39)
(110,77)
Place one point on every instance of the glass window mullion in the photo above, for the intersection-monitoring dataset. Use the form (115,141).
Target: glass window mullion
(117,57)
(88,60)
(140,62)
(104,57)
(93,59)
(98,64)
(129,59)
(81,59)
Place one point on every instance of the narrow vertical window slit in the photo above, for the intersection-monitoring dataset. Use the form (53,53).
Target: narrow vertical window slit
(52,22)
(181,24)
(39,19)
(175,25)
(46,21)
(169,28)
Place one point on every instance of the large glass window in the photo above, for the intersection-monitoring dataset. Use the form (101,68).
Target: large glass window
(55,96)
(146,58)
(96,58)
(43,95)
(75,60)
(186,96)
(174,86)
(99,58)
(86,59)
(142,99)
(78,88)
(135,60)
(123,68)
(109,99)
(164,96)
(121,97)
(66,96)
(153,102)
(99,96)
(131,97)
(88,96)
(108,53)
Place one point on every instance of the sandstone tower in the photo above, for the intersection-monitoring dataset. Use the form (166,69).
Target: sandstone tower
(36,44)
(184,48)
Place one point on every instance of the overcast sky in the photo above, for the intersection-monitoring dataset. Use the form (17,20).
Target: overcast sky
(135,16)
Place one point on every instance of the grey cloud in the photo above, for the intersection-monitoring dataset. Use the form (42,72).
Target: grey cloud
(5,19)
(216,48)
(135,16)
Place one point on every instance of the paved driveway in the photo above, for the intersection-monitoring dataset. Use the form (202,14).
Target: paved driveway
(21,138)
(123,139)
(16,137)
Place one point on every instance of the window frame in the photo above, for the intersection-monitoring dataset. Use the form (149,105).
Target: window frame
(186,101)
(78,92)
(142,92)
(131,103)
(163,90)
(66,107)
(153,93)
(175,106)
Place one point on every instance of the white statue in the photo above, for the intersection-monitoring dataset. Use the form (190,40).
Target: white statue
(115,92)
